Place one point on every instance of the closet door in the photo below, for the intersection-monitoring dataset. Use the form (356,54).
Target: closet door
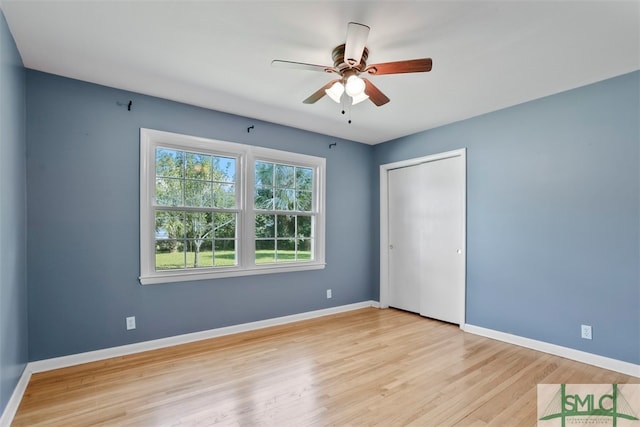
(426,238)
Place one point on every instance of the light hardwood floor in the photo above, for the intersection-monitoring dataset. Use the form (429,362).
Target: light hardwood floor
(365,367)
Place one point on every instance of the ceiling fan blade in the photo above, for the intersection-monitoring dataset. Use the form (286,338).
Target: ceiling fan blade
(357,35)
(410,66)
(277,63)
(374,93)
(319,93)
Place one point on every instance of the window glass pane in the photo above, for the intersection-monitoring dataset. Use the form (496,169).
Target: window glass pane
(284,176)
(286,250)
(169,163)
(284,200)
(224,195)
(224,169)
(304,226)
(199,226)
(263,198)
(224,253)
(304,250)
(303,201)
(264,174)
(304,179)
(197,193)
(286,226)
(265,251)
(169,225)
(164,246)
(168,192)
(198,166)
(265,226)
(169,255)
(199,230)
(198,253)
(224,225)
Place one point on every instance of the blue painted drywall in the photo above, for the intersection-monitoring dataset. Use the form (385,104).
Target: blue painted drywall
(553,195)
(83,243)
(13,212)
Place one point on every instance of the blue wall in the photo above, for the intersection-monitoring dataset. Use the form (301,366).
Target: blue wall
(13,210)
(83,243)
(553,198)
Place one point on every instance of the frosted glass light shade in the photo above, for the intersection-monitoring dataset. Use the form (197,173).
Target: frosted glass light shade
(355,86)
(359,98)
(335,92)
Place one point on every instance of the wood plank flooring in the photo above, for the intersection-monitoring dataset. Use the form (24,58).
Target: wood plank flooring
(365,367)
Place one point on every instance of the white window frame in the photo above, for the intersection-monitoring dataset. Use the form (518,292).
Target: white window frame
(247,155)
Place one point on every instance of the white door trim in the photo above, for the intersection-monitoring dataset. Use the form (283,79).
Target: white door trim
(384,219)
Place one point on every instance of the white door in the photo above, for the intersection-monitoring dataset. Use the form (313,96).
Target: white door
(426,264)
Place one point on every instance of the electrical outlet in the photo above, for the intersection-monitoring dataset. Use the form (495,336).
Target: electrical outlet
(329,293)
(131,323)
(586,332)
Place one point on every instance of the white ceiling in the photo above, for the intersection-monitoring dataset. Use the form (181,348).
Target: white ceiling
(487,55)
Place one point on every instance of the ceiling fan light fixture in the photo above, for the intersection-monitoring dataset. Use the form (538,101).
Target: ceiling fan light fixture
(349,62)
(335,91)
(359,98)
(354,86)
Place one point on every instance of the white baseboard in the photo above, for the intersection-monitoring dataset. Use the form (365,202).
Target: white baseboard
(568,353)
(16,397)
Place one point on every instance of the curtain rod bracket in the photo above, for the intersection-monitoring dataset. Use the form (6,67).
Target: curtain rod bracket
(122,104)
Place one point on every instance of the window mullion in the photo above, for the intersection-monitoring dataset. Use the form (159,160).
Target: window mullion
(248,236)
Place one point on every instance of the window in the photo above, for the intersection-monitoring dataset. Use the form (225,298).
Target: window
(213,209)
(283,215)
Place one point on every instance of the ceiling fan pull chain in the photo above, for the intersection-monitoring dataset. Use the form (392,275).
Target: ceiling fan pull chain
(344,111)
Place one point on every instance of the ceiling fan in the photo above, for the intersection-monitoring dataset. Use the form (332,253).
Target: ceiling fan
(349,61)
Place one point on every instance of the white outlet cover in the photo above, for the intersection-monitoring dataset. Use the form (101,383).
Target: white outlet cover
(586,332)
(131,323)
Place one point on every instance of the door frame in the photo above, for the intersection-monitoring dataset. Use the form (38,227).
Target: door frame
(384,220)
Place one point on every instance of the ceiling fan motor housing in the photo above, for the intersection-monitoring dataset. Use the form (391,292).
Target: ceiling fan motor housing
(341,65)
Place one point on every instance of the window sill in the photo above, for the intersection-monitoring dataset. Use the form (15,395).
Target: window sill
(181,276)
